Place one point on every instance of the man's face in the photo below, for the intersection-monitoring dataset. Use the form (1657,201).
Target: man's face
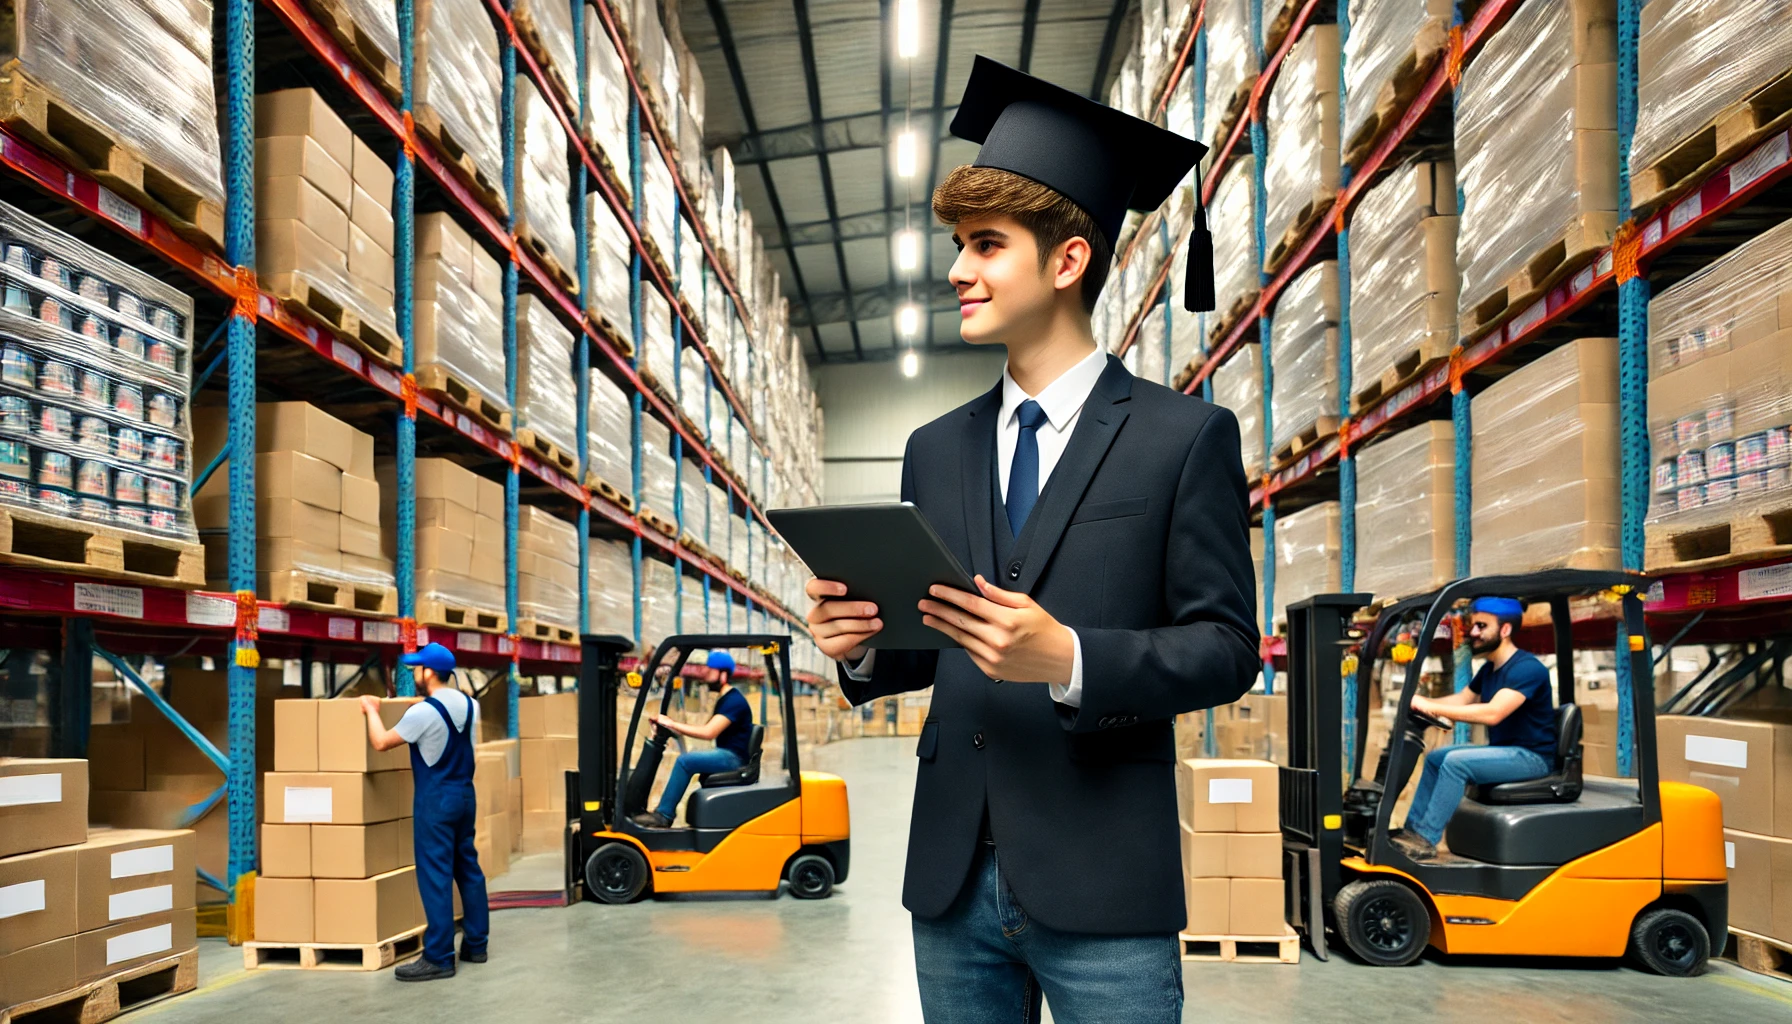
(1002,291)
(1484,633)
(712,678)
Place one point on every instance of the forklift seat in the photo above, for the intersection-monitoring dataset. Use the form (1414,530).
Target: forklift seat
(1562,786)
(1548,834)
(746,774)
(734,806)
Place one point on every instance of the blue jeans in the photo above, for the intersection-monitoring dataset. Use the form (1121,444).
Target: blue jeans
(985,962)
(1448,772)
(697,762)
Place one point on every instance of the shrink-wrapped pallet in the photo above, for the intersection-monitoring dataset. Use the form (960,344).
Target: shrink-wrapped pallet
(1300,172)
(1238,385)
(543,213)
(1390,42)
(716,494)
(659,202)
(546,28)
(457,308)
(739,542)
(1231,64)
(611,587)
(659,471)
(608,269)
(546,400)
(1236,279)
(458,86)
(1303,356)
(1545,471)
(693,497)
(1307,556)
(1403,274)
(659,601)
(1406,512)
(610,433)
(547,578)
(659,349)
(693,386)
(607,97)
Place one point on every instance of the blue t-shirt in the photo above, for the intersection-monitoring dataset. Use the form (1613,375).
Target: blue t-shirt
(740,723)
(1532,725)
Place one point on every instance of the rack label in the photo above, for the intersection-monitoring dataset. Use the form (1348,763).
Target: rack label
(114,206)
(109,600)
(385,379)
(341,628)
(1686,211)
(470,642)
(346,355)
(380,632)
(273,620)
(1768,156)
(208,610)
(1765,582)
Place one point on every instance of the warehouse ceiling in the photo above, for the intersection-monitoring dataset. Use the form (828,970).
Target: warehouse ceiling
(810,97)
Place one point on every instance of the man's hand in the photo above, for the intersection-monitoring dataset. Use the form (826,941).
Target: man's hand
(1006,633)
(1427,706)
(370,705)
(840,627)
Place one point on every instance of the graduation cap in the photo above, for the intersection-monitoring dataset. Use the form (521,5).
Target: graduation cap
(1101,159)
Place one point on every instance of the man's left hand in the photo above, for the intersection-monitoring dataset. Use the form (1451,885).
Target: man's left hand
(1006,633)
(370,704)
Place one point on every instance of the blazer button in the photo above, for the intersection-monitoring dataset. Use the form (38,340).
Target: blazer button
(977,741)
(1014,570)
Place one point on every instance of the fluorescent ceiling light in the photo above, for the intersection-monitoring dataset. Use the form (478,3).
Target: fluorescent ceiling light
(908,28)
(905,154)
(911,363)
(907,250)
(908,320)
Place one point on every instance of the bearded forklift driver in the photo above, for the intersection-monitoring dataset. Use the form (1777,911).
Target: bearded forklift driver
(1510,695)
(730,727)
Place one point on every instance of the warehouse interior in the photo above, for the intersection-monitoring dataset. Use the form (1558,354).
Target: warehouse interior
(340,332)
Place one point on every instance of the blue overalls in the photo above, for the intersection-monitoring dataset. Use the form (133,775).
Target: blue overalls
(445,814)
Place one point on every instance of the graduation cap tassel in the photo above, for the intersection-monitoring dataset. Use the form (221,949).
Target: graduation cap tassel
(1197,285)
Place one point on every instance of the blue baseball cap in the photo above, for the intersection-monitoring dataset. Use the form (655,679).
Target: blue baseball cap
(434,657)
(1502,607)
(721,661)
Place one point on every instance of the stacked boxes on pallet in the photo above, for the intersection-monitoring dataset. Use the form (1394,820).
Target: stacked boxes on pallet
(1238,385)
(546,29)
(607,98)
(611,588)
(546,403)
(659,470)
(1307,558)
(659,601)
(336,833)
(609,433)
(1231,847)
(1301,170)
(1406,512)
(547,569)
(1303,351)
(548,734)
(1391,42)
(457,89)
(1549,74)
(1545,469)
(1403,284)
(608,269)
(543,213)
(458,330)
(459,543)
(1720,406)
(1232,64)
(498,796)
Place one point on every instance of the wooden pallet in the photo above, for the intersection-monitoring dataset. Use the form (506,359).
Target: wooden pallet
(1278,18)
(1319,430)
(440,379)
(330,956)
(658,387)
(689,541)
(1220,324)
(309,300)
(430,126)
(1395,94)
(1763,955)
(535,629)
(562,275)
(612,333)
(1234,110)
(1760,532)
(739,576)
(522,15)
(314,590)
(1242,949)
(39,540)
(658,522)
(436,612)
(547,450)
(339,21)
(1732,132)
(1415,363)
(610,491)
(1309,217)
(35,112)
(102,1000)
(1573,248)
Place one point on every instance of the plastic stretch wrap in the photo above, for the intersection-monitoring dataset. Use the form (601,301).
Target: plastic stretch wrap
(693,386)
(607,96)
(377,22)
(1406,511)
(1382,35)
(544,177)
(608,272)
(694,498)
(659,601)
(1720,387)
(659,350)
(1301,122)
(659,474)
(94,383)
(610,433)
(1231,62)
(659,199)
(1546,463)
(1238,385)
(141,70)
(1150,345)
(1402,270)
(550,21)
(458,302)
(1236,278)
(459,591)
(547,582)
(716,496)
(738,540)
(610,587)
(458,77)
(1307,556)
(545,398)
(1518,144)
(1697,57)
(1303,352)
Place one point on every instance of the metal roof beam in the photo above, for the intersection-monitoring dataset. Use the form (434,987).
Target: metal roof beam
(806,38)
(1108,39)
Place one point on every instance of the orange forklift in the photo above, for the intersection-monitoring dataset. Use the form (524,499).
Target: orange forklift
(1567,865)
(749,830)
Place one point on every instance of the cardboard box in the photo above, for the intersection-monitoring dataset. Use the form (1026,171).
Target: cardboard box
(367,262)
(487,566)
(295,735)
(359,851)
(1256,907)
(360,539)
(514,806)
(336,798)
(342,743)
(304,112)
(302,427)
(286,850)
(285,910)
(366,212)
(1753,883)
(545,763)
(442,478)
(133,873)
(1209,903)
(488,532)
(292,198)
(296,476)
(43,803)
(1228,795)
(37,971)
(489,499)
(1746,762)
(1203,854)
(129,944)
(1780,865)
(361,500)
(364,565)
(115,756)
(275,518)
(368,910)
(445,514)
(280,155)
(360,455)
(372,173)
(443,551)
(37,899)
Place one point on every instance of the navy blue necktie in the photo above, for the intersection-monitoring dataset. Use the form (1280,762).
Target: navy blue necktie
(1023,473)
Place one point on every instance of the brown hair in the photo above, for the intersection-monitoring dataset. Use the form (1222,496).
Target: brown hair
(969,192)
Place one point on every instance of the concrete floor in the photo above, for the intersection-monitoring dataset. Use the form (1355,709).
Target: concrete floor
(849,959)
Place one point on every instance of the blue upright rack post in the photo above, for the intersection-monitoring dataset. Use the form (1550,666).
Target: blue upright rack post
(634,308)
(1462,427)
(581,374)
(512,484)
(404,228)
(1633,372)
(1346,384)
(1259,215)
(678,396)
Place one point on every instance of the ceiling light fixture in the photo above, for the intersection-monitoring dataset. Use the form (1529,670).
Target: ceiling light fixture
(908,320)
(911,363)
(905,154)
(907,250)
(908,28)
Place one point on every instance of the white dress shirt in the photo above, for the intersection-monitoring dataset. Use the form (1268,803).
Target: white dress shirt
(1062,402)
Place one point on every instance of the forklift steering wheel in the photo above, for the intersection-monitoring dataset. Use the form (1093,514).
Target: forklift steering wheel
(1425,721)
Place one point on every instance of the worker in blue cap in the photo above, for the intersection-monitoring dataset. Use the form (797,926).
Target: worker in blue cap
(730,726)
(1510,696)
(441,730)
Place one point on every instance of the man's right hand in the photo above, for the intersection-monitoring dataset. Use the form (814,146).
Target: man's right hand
(841,628)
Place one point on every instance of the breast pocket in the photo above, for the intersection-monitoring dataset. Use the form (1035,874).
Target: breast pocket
(1098,511)
(930,740)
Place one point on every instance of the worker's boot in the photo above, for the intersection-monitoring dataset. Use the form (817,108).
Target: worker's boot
(652,819)
(1414,845)
(468,956)
(422,970)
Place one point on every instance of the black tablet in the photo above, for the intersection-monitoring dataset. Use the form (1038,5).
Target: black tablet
(887,554)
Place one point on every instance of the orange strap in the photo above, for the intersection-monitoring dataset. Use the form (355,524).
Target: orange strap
(248,294)
(1453,60)
(248,629)
(1344,430)
(407,390)
(1627,245)
(410,137)
(516,647)
(1456,370)
(407,634)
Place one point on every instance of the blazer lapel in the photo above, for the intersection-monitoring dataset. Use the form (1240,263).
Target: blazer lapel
(977,457)
(1100,422)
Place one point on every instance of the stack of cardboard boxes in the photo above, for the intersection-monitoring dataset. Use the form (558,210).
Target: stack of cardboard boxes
(76,907)
(336,840)
(1307,557)
(548,729)
(1231,848)
(498,787)
(459,542)
(547,576)
(458,330)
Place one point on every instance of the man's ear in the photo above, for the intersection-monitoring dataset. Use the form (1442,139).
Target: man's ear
(1070,262)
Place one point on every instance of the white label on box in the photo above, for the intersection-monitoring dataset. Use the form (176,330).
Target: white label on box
(341,628)
(274,620)
(138,902)
(109,600)
(1717,750)
(150,860)
(1766,582)
(310,804)
(114,206)
(132,945)
(23,898)
(1729,855)
(1228,791)
(1766,157)
(376,632)
(210,610)
(18,790)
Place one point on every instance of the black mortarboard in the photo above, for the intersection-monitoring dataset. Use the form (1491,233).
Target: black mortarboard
(1099,158)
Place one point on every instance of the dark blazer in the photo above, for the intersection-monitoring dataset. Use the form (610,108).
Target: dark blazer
(1140,543)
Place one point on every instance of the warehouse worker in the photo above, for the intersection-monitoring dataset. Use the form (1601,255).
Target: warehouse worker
(730,727)
(1510,696)
(1043,851)
(440,729)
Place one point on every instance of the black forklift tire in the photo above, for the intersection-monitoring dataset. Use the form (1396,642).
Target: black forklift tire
(1670,942)
(616,873)
(1383,921)
(811,877)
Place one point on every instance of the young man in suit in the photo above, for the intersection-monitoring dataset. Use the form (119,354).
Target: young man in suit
(1106,521)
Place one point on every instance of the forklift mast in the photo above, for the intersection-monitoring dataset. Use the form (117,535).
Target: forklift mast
(600,682)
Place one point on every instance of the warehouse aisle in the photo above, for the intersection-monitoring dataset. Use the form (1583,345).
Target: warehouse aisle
(848,960)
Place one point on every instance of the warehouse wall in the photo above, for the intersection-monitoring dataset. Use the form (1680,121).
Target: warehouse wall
(870,409)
